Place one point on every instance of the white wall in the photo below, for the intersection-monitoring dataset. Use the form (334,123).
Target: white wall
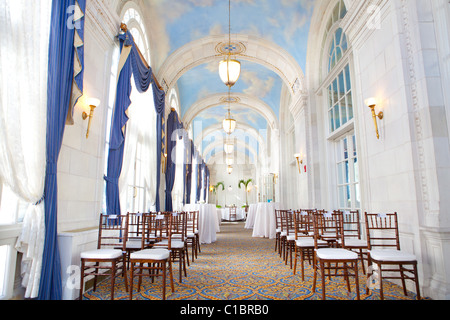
(398,59)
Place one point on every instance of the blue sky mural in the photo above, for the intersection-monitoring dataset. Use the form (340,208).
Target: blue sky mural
(283,22)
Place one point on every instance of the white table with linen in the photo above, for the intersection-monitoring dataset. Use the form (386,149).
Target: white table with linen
(225,212)
(265,225)
(208,224)
(251,216)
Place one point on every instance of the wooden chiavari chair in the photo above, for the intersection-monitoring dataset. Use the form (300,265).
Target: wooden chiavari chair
(109,259)
(278,231)
(352,235)
(158,228)
(384,251)
(179,243)
(329,261)
(304,239)
(192,232)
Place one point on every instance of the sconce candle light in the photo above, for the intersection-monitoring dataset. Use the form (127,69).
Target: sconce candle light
(299,162)
(93,103)
(371,103)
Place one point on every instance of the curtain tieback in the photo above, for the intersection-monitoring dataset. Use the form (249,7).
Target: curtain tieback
(41,200)
(111,180)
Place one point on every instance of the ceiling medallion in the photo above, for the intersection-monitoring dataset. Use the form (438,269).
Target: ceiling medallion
(230,99)
(235,48)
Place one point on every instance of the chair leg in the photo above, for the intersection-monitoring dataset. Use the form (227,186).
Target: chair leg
(81,280)
(186,251)
(381,282)
(402,274)
(362,261)
(164,281)
(171,276)
(295,260)
(315,277)
(357,281)
(131,281)
(416,279)
(95,277)
(113,279)
(322,270)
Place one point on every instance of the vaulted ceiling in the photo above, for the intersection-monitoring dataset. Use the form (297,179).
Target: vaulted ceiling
(268,37)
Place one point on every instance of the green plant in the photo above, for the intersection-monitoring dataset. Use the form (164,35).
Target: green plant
(220,184)
(245,183)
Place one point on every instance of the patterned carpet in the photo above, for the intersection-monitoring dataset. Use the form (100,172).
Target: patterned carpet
(239,267)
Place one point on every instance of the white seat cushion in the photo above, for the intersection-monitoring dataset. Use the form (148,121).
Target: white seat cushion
(102,254)
(175,244)
(391,255)
(278,230)
(151,254)
(134,244)
(290,237)
(355,242)
(309,242)
(336,254)
(191,235)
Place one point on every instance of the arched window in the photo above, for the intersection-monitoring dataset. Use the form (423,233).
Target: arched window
(135,25)
(136,181)
(337,85)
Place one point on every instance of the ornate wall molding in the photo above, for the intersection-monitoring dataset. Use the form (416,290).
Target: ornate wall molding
(418,125)
(105,22)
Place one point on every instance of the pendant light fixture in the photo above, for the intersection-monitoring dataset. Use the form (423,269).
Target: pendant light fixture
(229,161)
(230,169)
(229,69)
(229,146)
(229,124)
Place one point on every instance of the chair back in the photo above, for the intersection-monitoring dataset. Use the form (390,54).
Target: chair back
(382,230)
(351,224)
(179,225)
(302,224)
(135,225)
(112,232)
(286,221)
(277,219)
(157,229)
(327,227)
(192,221)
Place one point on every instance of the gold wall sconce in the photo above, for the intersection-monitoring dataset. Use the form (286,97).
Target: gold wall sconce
(299,158)
(92,103)
(372,103)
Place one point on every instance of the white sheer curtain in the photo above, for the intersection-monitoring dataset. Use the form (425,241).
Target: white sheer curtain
(141,127)
(25,29)
(177,192)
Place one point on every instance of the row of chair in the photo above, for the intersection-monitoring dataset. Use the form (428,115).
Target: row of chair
(332,241)
(139,243)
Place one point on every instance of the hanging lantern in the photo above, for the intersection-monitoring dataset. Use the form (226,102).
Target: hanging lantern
(229,124)
(230,169)
(229,71)
(230,161)
(229,147)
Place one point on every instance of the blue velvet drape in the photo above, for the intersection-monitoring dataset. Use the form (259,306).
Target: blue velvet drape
(199,179)
(159,98)
(189,172)
(59,94)
(173,125)
(143,78)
